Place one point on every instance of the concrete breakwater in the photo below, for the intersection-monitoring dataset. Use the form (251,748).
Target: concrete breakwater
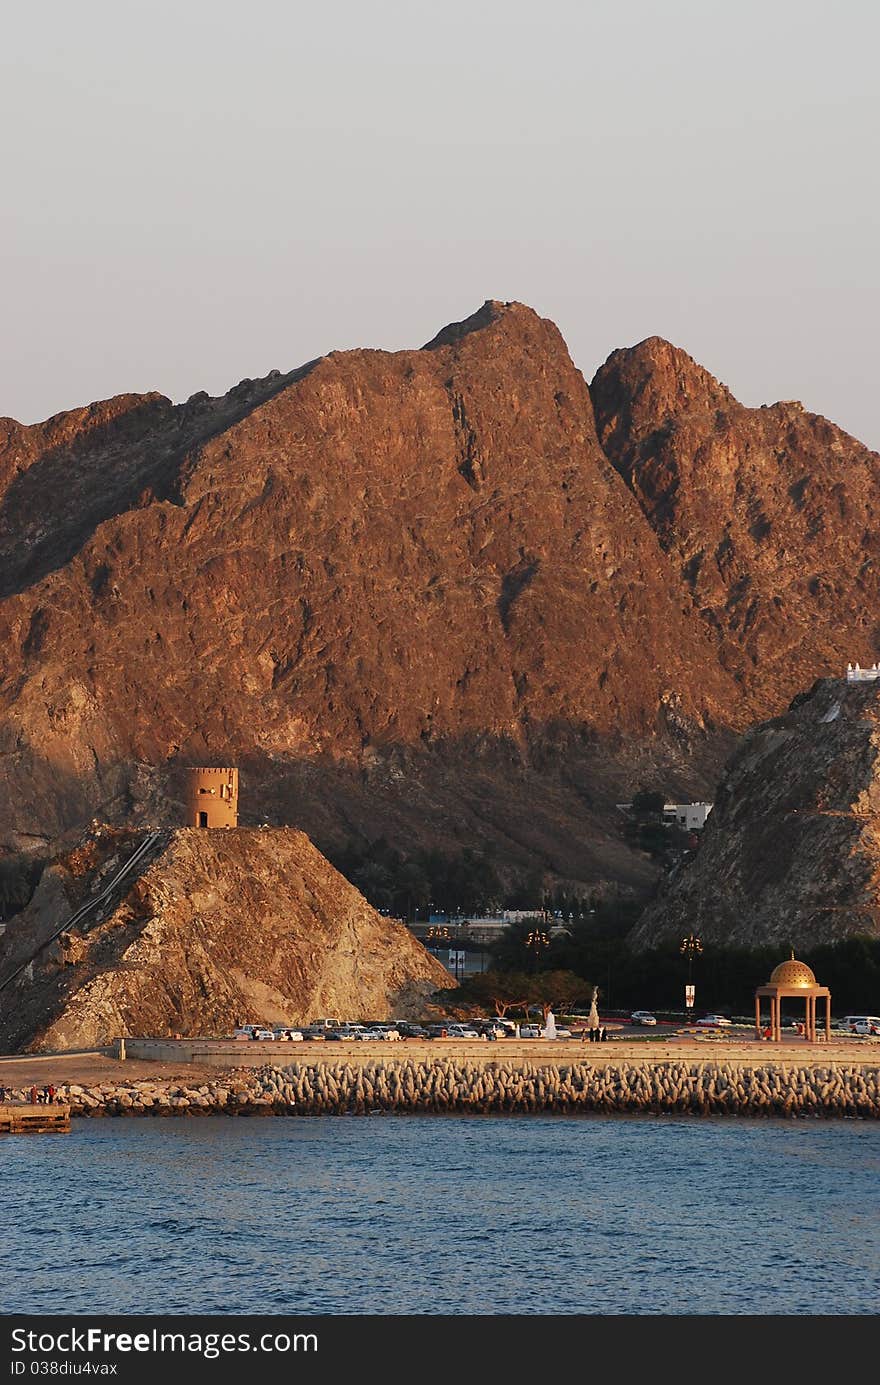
(447,1085)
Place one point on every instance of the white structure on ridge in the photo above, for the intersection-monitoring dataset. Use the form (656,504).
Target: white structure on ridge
(690,816)
(854,674)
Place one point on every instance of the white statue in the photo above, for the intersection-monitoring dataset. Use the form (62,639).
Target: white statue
(549,1030)
(593,1020)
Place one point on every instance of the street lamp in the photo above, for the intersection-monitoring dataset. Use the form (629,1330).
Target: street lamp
(536,942)
(440,936)
(690,947)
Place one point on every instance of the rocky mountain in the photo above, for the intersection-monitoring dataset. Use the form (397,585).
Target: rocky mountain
(210,929)
(421,595)
(769,516)
(791,850)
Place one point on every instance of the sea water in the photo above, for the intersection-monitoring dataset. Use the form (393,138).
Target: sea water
(434,1214)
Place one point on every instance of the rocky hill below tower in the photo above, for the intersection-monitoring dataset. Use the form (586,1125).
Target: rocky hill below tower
(208,930)
(791,851)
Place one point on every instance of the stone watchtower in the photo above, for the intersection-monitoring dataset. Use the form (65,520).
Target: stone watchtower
(212,797)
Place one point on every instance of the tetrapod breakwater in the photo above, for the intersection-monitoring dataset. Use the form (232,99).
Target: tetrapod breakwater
(447,1085)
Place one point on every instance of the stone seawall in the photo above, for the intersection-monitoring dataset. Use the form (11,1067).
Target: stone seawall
(675,1087)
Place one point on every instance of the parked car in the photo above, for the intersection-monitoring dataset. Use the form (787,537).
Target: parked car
(288,1035)
(530,1031)
(563,1033)
(493,1029)
(861,1024)
(461,1031)
(263,1034)
(713,1022)
(642,1017)
(411,1031)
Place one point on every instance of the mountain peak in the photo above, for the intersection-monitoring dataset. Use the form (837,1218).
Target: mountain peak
(662,378)
(491,311)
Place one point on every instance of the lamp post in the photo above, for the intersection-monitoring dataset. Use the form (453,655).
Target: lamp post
(690,947)
(536,942)
(437,936)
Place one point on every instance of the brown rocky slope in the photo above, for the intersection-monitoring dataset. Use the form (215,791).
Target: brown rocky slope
(409,595)
(215,928)
(404,592)
(770,516)
(791,850)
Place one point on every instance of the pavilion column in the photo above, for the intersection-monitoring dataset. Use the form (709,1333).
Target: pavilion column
(757,1017)
(776,1024)
(811,1019)
(828,1018)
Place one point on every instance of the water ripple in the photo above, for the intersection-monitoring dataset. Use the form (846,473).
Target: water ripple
(427,1215)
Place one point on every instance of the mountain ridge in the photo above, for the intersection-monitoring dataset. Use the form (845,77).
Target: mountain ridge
(460,567)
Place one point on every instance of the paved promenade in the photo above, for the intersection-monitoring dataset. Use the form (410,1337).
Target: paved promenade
(189,1059)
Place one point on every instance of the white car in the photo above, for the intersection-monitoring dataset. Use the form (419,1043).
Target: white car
(494,1030)
(861,1024)
(530,1031)
(867,1026)
(264,1034)
(713,1022)
(642,1017)
(461,1031)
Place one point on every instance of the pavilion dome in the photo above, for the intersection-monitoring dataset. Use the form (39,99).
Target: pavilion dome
(793,974)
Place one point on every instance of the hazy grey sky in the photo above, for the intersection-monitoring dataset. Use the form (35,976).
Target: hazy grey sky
(197,191)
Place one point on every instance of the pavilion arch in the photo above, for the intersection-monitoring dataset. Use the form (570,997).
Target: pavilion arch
(792,978)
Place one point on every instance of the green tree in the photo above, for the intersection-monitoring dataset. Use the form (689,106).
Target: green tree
(504,990)
(559,990)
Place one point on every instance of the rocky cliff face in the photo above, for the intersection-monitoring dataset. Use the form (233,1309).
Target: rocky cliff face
(395,589)
(791,850)
(409,594)
(769,515)
(215,928)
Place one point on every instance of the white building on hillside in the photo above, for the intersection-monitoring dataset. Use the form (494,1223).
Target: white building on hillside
(854,674)
(690,816)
